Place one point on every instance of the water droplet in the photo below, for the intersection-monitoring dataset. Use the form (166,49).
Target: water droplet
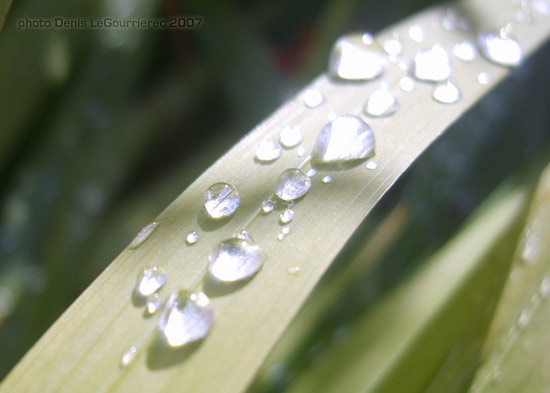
(128,356)
(432,65)
(545,287)
(367,38)
(290,137)
(406,84)
(446,93)
(417,33)
(381,103)
(500,50)
(465,51)
(149,281)
(153,303)
(300,152)
(313,98)
(343,142)
(483,78)
(192,238)
(393,47)
(293,270)
(287,216)
(235,260)
(541,6)
(371,165)
(453,21)
(293,184)
(221,200)
(281,236)
(267,207)
(143,235)
(243,235)
(326,179)
(186,318)
(311,172)
(351,59)
(268,150)
(285,230)
(524,318)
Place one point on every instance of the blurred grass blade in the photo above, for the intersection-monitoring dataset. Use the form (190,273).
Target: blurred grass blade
(81,351)
(4,9)
(517,356)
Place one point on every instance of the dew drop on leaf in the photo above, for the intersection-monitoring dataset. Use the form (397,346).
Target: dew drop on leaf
(143,235)
(352,59)
(446,93)
(268,151)
(149,281)
(381,103)
(287,216)
(235,259)
(192,237)
(313,98)
(432,65)
(290,137)
(293,184)
(221,200)
(500,49)
(128,356)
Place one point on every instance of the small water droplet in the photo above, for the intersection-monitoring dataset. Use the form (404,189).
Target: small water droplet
(149,281)
(406,84)
(267,207)
(381,103)
(281,236)
(186,318)
(192,237)
(432,65)
(143,235)
(326,179)
(290,137)
(243,235)
(221,200)
(500,50)
(311,172)
(287,216)
(235,259)
(343,142)
(465,51)
(313,98)
(128,356)
(541,6)
(293,184)
(524,318)
(268,151)
(393,47)
(371,165)
(293,270)
(417,33)
(153,303)
(446,93)
(483,78)
(545,287)
(351,59)
(367,38)
(300,152)
(285,230)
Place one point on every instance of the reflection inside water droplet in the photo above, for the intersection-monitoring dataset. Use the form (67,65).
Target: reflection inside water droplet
(381,103)
(268,150)
(149,281)
(235,259)
(221,200)
(446,93)
(186,318)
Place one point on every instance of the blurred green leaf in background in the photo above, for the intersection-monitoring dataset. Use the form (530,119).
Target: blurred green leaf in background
(101,129)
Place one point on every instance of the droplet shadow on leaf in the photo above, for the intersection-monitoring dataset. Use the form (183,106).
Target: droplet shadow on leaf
(216,288)
(161,355)
(209,224)
(137,299)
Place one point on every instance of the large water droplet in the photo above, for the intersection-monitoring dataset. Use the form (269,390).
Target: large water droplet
(143,235)
(192,237)
(287,216)
(186,318)
(417,33)
(221,200)
(381,103)
(352,59)
(235,259)
(268,150)
(290,137)
(500,49)
(406,84)
(432,65)
(149,281)
(128,356)
(465,51)
(343,143)
(446,93)
(313,98)
(293,184)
